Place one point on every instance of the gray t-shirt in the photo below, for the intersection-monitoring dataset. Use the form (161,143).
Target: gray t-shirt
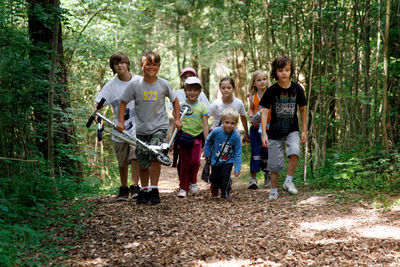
(112,92)
(149,104)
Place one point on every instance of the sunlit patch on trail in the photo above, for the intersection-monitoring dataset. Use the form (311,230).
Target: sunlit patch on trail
(380,231)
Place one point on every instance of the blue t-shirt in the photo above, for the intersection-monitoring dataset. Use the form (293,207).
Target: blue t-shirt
(232,152)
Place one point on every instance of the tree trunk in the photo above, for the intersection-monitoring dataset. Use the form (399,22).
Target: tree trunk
(385,139)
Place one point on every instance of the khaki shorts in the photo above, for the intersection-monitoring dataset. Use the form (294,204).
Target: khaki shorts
(145,156)
(125,153)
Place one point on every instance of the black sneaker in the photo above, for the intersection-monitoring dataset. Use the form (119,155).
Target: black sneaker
(134,189)
(143,197)
(123,194)
(155,196)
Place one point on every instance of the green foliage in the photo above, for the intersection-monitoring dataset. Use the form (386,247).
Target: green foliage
(372,173)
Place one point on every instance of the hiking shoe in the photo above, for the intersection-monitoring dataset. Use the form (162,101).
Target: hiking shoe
(194,189)
(267,181)
(273,196)
(182,193)
(289,186)
(143,197)
(123,194)
(155,196)
(214,192)
(253,184)
(134,189)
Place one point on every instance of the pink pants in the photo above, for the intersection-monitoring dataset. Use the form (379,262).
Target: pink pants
(190,164)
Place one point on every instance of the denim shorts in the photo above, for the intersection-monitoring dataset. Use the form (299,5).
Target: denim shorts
(145,156)
(276,151)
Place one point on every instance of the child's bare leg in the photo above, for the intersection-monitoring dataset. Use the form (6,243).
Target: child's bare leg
(144,177)
(135,171)
(123,174)
(274,179)
(155,169)
(292,164)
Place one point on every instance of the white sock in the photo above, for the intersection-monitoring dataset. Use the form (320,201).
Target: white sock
(145,188)
(151,187)
(274,190)
(288,178)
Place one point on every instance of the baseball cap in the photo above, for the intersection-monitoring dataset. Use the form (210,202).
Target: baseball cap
(188,69)
(193,80)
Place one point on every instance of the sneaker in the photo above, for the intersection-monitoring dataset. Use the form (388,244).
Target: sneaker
(123,194)
(182,193)
(143,197)
(155,196)
(214,192)
(194,189)
(273,196)
(289,186)
(134,189)
(267,181)
(253,184)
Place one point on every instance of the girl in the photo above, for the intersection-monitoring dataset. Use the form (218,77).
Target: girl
(259,154)
(190,140)
(226,86)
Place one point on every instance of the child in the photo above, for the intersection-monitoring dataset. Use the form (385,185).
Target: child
(180,94)
(281,99)
(112,91)
(259,154)
(148,93)
(226,86)
(195,126)
(226,151)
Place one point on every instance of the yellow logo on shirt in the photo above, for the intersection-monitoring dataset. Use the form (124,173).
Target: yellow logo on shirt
(150,95)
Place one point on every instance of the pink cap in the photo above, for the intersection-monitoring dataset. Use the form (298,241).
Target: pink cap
(189,69)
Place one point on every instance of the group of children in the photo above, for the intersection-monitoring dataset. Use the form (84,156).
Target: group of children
(139,104)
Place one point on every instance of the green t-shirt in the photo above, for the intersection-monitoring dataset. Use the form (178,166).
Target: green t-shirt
(193,124)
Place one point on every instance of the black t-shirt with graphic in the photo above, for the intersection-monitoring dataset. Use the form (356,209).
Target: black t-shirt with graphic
(283,105)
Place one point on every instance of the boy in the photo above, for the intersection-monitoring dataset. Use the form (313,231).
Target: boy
(148,93)
(112,91)
(226,151)
(195,127)
(282,99)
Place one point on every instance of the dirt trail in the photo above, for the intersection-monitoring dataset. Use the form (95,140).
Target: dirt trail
(306,229)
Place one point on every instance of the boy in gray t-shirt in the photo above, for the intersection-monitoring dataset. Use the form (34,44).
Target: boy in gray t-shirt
(148,93)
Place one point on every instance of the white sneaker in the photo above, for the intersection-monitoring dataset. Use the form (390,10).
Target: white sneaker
(289,186)
(273,196)
(193,189)
(253,184)
(182,193)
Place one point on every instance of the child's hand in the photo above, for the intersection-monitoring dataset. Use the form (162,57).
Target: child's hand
(120,127)
(236,174)
(178,124)
(303,137)
(264,141)
(246,138)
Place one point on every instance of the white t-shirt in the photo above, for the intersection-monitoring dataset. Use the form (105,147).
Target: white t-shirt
(218,106)
(149,99)
(112,92)
(180,94)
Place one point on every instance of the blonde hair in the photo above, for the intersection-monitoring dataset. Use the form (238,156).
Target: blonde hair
(230,113)
(252,88)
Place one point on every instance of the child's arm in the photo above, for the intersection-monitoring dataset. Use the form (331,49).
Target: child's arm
(121,112)
(264,118)
(205,126)
(303,111)
(238,156)
(245,127)
(176,113)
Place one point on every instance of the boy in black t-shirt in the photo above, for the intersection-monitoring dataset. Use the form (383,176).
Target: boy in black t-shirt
(281,99)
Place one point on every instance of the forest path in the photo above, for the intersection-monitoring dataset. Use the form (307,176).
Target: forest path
(306,229)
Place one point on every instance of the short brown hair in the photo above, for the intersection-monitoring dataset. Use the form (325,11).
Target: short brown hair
(279,63)
(151,57)
(117,58)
